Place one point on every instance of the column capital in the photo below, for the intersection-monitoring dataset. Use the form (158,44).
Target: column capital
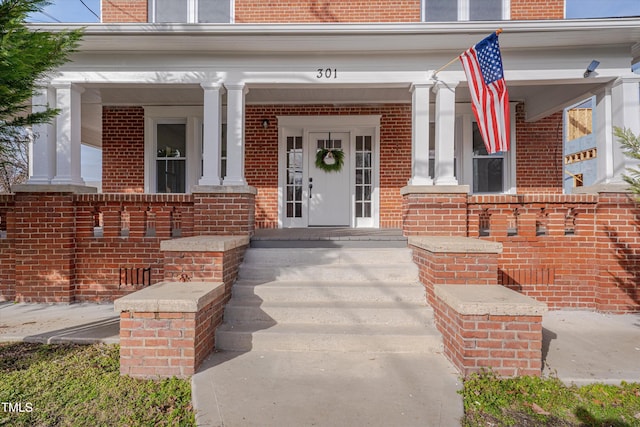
(67,85)
(212,86)
(445,84)
(424,85)
(237,86)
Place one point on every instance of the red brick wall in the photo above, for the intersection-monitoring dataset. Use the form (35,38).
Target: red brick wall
(7,248)
(261,166)
(557,269)
(287,11)
(124,11)
(123,149)
(537,9)
(538,143)
(99,259)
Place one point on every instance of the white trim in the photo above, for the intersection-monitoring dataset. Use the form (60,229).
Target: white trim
(464,10)
(303,126)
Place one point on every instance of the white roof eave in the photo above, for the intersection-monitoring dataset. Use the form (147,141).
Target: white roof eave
(351,37)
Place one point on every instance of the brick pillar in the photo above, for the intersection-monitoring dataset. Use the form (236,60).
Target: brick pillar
(437,210)
(224,210)
(45,243)
(618,237)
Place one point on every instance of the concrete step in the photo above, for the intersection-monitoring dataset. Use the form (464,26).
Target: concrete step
(329,338)
(346,272)
(308,291)
(391,314)
(320,256)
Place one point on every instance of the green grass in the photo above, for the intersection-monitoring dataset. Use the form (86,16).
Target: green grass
(530,401)
(75,385)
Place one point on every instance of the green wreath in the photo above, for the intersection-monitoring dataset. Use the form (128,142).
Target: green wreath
(329,160)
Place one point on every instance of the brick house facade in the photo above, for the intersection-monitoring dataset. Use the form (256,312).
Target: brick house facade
(251,88)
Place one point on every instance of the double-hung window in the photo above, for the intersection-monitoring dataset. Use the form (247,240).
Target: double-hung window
(190,11)
(488,169)
(465,10)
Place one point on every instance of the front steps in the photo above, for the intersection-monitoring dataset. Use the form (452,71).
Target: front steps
(340,299)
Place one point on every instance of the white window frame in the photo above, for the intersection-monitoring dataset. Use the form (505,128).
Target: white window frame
(464,138)
(192,11)
(463,10)
(192,117)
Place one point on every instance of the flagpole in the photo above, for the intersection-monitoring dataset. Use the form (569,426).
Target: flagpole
(498,31)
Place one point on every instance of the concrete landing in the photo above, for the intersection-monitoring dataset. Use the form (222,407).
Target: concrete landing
(275,389)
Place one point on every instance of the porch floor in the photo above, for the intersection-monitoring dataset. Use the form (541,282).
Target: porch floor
(328,237)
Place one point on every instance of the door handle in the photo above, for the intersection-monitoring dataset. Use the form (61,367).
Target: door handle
(310,187)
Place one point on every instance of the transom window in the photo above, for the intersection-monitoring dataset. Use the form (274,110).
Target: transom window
(465,10)
(190,11)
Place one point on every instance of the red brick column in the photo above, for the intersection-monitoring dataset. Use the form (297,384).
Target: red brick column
(455,261)
(434,210)
(45,243)
(490,327)
(618,237)
(168,329)
(224,210)
(204,259)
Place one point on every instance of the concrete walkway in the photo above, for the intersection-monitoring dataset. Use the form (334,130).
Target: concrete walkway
(334,389)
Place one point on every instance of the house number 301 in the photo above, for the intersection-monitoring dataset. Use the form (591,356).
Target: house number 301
(327,73)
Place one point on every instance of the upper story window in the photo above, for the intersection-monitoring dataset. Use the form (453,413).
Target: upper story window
(465,10)
(190,11)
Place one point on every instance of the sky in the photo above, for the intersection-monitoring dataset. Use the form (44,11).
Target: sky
(81,10)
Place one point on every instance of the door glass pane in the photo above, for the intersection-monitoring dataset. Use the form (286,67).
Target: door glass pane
(441,10)
(485,10)
(214,11)
(171,11)
(363,171)
(294,177)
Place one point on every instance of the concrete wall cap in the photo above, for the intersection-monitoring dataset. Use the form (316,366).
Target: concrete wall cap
(53,188)
(488,300)
(224,189)
(170,297)
(454,244)
(204,243)
(435,189)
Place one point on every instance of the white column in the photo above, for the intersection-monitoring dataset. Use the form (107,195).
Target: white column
(211,135)
(420,135)
(42,151)
(604,136)
(68,139)
(445,133)
(625,114)
(235,134)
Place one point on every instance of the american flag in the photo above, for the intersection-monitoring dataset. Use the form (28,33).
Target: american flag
(482,64)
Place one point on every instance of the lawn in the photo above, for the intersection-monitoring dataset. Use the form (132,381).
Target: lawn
(77,385)
(531,401)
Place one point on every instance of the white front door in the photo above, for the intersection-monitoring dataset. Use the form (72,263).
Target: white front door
(329,201)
